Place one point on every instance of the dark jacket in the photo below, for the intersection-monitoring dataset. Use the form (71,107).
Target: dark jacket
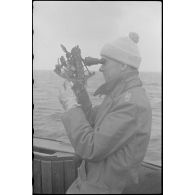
(113,139)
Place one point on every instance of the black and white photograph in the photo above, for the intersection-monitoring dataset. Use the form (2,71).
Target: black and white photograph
(97,97)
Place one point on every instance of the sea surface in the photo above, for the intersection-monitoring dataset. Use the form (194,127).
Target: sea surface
(47,109)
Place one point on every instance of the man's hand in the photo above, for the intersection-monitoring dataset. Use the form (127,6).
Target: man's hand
(67,98)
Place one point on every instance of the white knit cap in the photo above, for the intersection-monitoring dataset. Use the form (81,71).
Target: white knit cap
(124,50)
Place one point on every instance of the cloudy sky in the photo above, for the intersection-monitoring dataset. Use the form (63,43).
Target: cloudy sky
(92,24)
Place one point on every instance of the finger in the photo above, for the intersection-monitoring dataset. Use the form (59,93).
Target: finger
(71,84)
(62,100)
(63,103)
(68,87)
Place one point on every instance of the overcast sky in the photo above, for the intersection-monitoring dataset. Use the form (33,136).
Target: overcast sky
(92,24)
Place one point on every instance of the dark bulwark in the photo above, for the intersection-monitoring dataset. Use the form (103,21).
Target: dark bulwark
(55,168)
(52,174)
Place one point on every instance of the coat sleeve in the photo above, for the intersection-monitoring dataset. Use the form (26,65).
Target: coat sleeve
(96,144)
(86,105)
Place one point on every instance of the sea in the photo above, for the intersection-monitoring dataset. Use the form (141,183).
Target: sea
(47,110)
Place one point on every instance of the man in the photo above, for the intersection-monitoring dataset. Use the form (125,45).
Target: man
(112,138)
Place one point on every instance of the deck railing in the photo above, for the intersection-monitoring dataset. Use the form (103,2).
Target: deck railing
(54,170)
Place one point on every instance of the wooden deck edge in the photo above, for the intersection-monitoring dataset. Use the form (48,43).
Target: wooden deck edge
(150,165)
(53,145)
(60,149)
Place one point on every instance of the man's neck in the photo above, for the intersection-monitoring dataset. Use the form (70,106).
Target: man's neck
(109,86)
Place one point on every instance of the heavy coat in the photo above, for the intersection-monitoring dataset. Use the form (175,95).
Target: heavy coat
(112,142)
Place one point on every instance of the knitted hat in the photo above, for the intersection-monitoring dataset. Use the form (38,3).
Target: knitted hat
(124,50)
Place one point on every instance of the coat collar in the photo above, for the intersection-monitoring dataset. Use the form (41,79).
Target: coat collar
(124,81)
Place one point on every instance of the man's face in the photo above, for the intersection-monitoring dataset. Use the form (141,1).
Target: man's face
(110,69)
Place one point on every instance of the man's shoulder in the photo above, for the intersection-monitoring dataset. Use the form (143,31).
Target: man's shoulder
(136,96)
(124,98)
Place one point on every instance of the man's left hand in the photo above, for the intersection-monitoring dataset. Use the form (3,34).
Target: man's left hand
(68,99)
